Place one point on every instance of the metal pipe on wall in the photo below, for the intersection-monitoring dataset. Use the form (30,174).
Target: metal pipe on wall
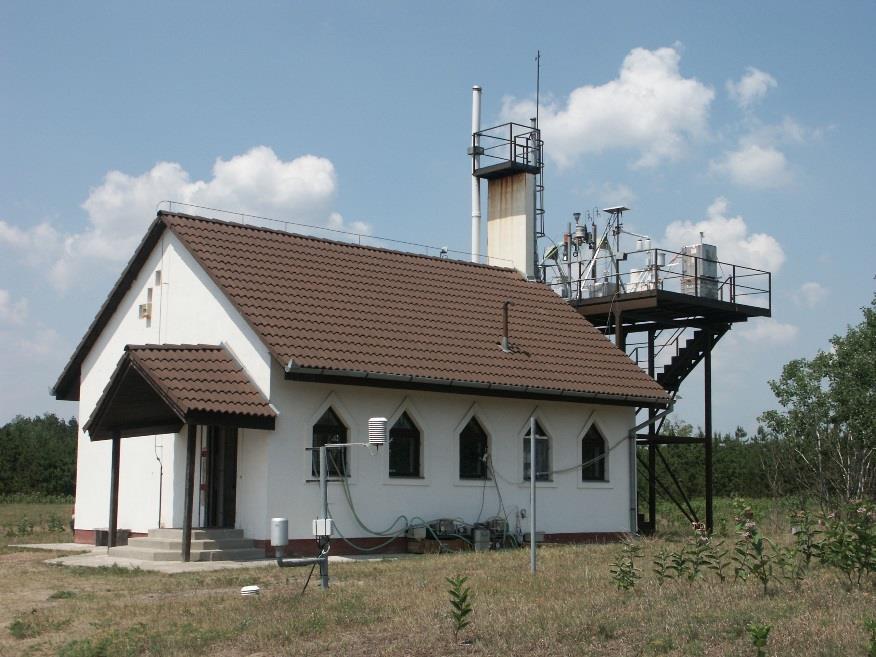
(475,181)
(532,477)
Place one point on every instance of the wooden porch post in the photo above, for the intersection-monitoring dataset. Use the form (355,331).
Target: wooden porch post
(190,494)
(114,490)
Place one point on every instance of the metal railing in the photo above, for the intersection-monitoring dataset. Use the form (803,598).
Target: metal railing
(296,227)
(508,142)
(661,269)
(635,350)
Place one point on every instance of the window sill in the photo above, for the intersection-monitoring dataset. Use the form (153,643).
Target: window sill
(331,480)
(605,485)
(473,483)
(406,481)
(539,484)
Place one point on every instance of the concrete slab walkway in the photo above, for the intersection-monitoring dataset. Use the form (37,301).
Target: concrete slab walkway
(97,557)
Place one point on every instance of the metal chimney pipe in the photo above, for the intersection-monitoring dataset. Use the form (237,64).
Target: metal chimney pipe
(506,339)
(475,181)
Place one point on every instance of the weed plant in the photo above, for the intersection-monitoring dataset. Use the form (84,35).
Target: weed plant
(662,566)
(460,605)
(849,542)
(870,626)
(624,571)
(759,633)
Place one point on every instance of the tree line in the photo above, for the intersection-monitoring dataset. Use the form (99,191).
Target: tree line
(38,456)
(819,446)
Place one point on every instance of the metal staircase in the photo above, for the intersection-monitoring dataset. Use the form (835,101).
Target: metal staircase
(688,357)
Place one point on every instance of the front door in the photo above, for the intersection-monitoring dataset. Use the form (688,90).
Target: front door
(221,477)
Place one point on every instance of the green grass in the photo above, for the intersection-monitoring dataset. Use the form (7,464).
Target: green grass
(401,608)
(25,522)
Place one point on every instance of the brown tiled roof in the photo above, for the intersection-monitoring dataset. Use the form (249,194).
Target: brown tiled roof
(326,308)
(325,305)
(200,379)
(157,388)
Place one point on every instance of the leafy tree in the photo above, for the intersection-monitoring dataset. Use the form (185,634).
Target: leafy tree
(738,463)
(38,455)
(826,430)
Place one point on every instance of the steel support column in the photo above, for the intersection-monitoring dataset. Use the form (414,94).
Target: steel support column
(652,447)
(189,494)
(707,401)
(114,491)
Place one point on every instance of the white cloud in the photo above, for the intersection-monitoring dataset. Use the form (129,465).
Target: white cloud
(810,294)
(611,194)
(122,206)
(41,342)
(730,234)
(759,161)
(649,108)
(337,222)
(767,331)
(12,312)
(753,165)
(751,87)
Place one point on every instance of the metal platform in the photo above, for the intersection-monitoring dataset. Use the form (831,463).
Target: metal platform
(658,309)
(504,169)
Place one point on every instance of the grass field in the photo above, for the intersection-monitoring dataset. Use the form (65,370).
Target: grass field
(401,608)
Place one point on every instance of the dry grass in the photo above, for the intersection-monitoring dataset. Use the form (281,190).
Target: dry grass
(400,608)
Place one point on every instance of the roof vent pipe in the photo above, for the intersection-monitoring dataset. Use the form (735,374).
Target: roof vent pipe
(506,344)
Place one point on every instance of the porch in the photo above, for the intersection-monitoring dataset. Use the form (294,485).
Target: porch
(160,389)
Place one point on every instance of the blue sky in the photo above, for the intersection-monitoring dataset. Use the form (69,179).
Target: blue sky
(751,120)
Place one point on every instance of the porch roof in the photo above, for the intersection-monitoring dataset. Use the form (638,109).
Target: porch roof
(159,388)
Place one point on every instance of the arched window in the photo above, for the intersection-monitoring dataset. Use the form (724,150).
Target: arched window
(542,454)
(330,430)
(404,448)
(473,445)
(593,455)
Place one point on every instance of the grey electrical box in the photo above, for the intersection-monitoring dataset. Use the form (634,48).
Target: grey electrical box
(699,270)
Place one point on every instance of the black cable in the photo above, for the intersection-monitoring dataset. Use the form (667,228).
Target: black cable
(483,489)
(307,581)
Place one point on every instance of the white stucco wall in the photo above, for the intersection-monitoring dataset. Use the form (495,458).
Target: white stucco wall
(566,504)
(186,308)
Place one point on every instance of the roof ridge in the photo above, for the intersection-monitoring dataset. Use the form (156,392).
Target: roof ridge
(367,247)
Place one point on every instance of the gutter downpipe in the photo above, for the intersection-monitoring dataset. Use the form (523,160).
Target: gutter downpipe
(634,471)
(533,543)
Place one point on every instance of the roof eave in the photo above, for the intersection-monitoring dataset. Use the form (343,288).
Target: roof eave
(359,377)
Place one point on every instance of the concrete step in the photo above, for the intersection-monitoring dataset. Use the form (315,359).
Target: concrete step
(247,554)
(152,543)
(199,534)
(244,554)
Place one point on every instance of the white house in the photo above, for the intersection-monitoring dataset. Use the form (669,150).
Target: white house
(225,350)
